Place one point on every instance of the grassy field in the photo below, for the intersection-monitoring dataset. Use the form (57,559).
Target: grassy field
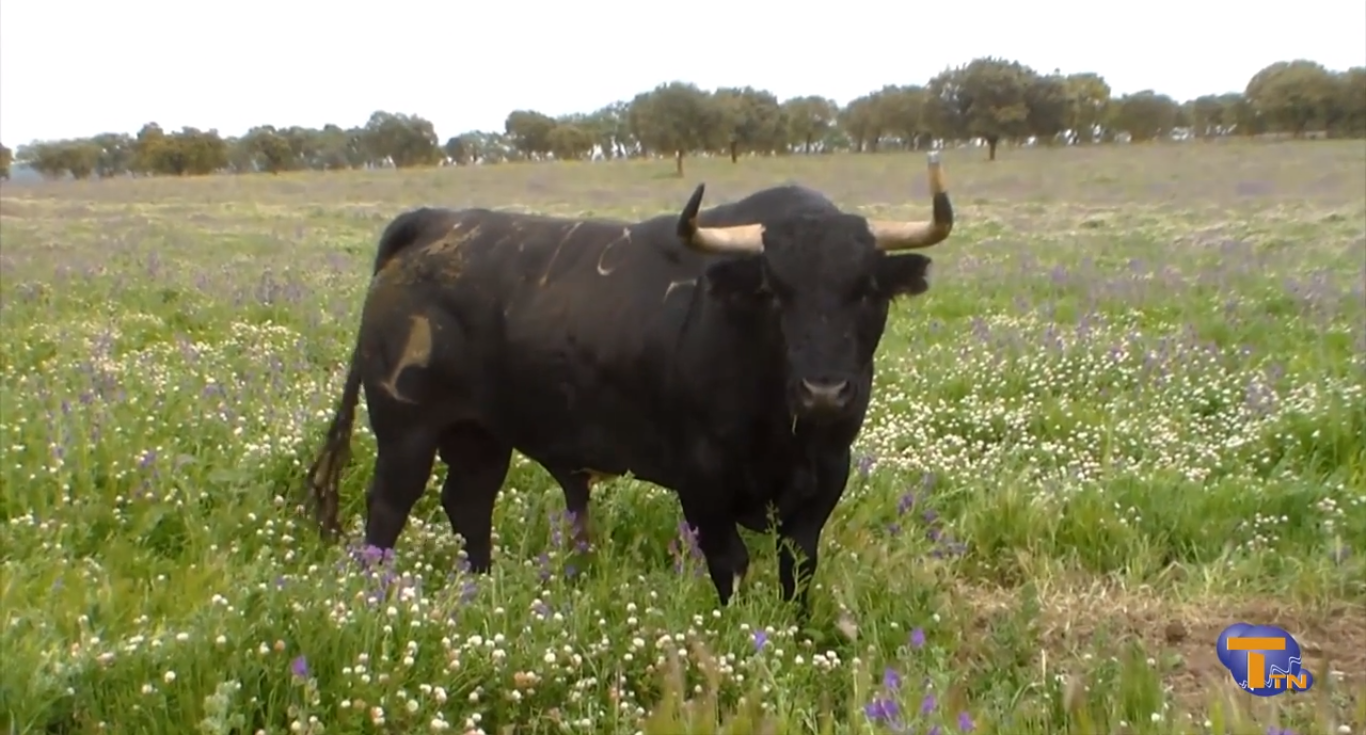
(1128,413)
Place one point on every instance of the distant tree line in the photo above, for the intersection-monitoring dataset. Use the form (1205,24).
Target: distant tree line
(989,99)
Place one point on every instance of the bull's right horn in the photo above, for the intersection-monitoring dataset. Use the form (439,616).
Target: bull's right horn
(895,235)
(737,239)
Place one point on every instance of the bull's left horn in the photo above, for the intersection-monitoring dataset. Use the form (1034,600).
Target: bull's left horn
(893,235)
(737,239)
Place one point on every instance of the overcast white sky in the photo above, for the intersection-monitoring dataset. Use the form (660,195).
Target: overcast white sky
(75,68)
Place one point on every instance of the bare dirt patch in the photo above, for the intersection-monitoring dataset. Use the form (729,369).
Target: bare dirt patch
(1332,636)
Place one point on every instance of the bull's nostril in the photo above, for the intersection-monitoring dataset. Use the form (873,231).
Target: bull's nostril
(831,394)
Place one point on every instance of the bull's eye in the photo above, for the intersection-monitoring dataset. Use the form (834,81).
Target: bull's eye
(775,292)
(865,293)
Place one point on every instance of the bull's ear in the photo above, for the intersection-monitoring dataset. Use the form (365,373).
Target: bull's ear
(904,274)
(739,278)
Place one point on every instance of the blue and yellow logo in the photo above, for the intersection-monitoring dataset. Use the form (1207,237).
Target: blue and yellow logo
(1263,659)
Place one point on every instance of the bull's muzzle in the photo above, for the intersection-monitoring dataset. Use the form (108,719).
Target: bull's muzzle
(824,397)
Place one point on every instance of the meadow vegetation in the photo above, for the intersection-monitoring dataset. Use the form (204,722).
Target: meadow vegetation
(1128,413)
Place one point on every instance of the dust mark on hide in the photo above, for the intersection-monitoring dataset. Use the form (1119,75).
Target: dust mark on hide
(417,353)
(386,271)
(385,287)
(445,258)
(453,239)
(625,237)
(568,233)
(678,284)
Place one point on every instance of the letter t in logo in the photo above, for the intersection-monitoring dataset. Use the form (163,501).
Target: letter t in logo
(1256,662)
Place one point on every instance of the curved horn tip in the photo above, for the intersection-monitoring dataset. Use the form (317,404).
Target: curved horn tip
(694,201)
(687,220)
(697,194)
(936,172)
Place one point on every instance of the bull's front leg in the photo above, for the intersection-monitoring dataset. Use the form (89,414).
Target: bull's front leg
(711,519)
(799,529)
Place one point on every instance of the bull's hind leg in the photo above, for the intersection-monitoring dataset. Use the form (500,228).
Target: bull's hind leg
(401,471)
(477,465)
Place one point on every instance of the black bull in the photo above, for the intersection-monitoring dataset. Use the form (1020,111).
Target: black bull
(725,354)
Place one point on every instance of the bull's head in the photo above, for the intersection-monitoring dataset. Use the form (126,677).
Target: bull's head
(828,280)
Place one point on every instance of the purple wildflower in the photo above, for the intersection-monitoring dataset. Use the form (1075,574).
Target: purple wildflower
(965,723)
(865,464)
(689,534)
(468,590)
(928,704)
(918,638)
(685,546)
(760,638)
(557,530)
(883,711)
(890,679)
(299,667)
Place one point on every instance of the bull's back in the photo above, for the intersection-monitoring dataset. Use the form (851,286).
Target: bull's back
(565,330)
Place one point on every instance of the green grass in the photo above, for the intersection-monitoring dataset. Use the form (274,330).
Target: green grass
(1128,413)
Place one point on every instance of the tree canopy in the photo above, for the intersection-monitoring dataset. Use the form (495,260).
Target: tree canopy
(988,99)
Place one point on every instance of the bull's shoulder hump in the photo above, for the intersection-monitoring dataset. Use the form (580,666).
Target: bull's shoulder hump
(423,216)
(765,205)
(537,218)
(785,201)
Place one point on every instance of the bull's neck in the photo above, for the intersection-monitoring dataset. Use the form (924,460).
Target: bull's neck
(741,345)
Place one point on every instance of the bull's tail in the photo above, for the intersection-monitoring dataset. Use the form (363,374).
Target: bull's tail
(324,476)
